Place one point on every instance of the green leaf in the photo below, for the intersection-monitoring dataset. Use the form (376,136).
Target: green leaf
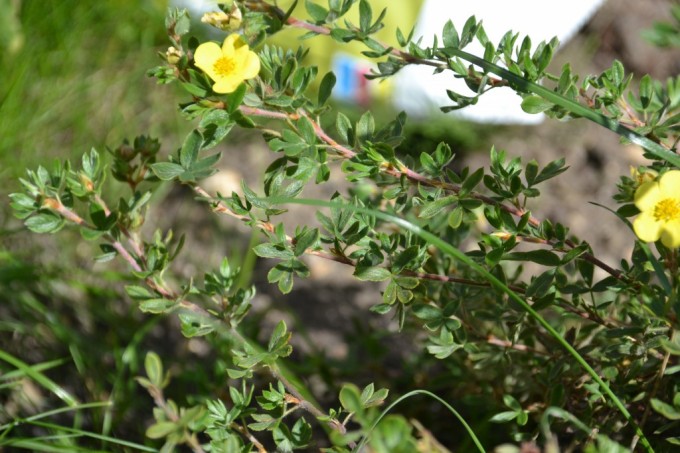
(342,35)
(366,127)
(156,305)
(194,89)
(138,292)
(182,23)
(235,98)
(372,273)
(381,309)
(166,171)
(189,152)
(350,398)
(469,30)
(326,87)
(531,171)
(540,285)
(535,104)
(672,347)
(377,398)
(503,417)
(154,369)
(405,258)
(307,239)
(427,312)
(429,165)
(283,276)
(668,411)
(365,16)
(279,336)
(450,35)
(90,162)
(435,207)
(344,128)
(161,429)
(551,170)
(367,393)
(45,222)
(269,250)
(617,73)
(646,91)
(455,218)
(512,403)
(544,257)
(316,12)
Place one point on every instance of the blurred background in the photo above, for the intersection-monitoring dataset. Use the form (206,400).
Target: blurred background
(73,78)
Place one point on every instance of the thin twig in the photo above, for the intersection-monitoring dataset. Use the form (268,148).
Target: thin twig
(244,431)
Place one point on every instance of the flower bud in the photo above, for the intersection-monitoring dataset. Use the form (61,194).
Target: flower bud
(51,203)
(224,21)
(642,175)
(125,152)
(173,55)
(86,182)
(502,235)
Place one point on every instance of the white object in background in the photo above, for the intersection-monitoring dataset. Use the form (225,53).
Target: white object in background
(420,93)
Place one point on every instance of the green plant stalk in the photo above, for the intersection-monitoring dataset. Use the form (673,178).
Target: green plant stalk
(460,418)
(460,256)
(572,106)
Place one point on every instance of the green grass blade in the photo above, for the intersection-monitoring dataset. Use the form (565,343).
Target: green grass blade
(124,363)
(467,427)
(57,411)
(41,444)
(40,378)
(571,106)
(82,433)
(460,256)
(17,374)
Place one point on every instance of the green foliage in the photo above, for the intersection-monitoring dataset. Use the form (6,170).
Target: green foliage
(520,316)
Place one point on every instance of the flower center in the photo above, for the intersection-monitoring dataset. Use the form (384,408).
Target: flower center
(667,209)
(224,66)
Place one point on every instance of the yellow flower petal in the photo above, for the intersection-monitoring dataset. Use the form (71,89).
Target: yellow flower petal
(647,196)
(233,42)
(251,65)
(205,57)
(670,234)
(227,85)
(646,227)
(670,184)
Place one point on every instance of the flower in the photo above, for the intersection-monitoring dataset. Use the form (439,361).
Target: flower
(641,175)
(659,205)
(224,21)
(229,65)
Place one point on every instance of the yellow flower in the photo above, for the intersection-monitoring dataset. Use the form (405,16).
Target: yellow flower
(642,175)
(659,205)
(229,65)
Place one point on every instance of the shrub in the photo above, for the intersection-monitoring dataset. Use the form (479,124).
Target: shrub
(517,330)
